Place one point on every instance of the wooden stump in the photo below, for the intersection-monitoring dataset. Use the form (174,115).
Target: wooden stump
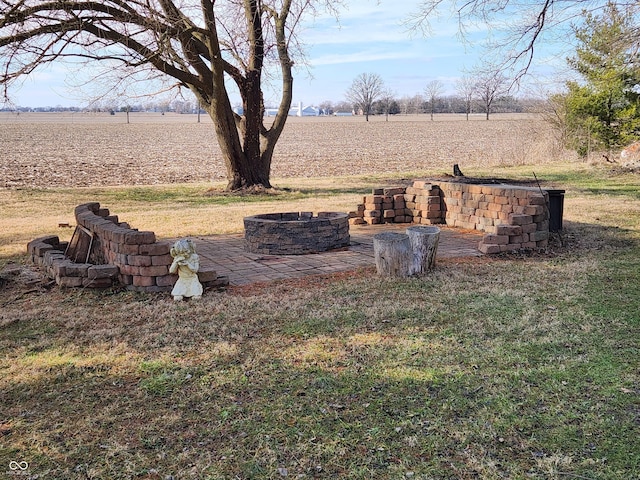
(424,245)
(393,254)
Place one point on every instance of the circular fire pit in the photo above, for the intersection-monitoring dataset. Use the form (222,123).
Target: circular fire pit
(296,233)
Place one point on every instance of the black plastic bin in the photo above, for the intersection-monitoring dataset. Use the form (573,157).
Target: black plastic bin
(556,207)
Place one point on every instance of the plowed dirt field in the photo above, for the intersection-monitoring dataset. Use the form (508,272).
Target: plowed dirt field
(81,149)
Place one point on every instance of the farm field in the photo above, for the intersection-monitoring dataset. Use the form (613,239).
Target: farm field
(80,150)
(519,367)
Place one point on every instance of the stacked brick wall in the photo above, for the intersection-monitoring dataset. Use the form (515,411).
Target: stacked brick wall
(418,204)
(132,258)
(512,217)
(143,263)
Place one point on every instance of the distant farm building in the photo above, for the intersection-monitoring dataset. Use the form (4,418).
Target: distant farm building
(297,111)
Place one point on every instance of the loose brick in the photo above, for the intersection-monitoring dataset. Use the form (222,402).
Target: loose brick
(168,280)
(373,199)
(488,249)
(207,274)
(97,282)
(392,191)
(102,271)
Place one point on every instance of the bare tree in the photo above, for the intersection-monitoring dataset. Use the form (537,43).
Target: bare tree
(466,88)
(365,89)
(197,45)
(326,107)
(524,23)
(490,86)
(386,99)
(433,90)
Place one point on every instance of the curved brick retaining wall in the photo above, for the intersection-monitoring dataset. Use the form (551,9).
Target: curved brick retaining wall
(118,254)
(296,233)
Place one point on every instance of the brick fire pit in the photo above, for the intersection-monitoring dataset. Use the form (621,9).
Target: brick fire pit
(296,233)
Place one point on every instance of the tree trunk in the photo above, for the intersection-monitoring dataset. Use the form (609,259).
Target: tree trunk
(393,254)
(424,244)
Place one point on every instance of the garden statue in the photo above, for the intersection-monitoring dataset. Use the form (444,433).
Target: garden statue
(186,263)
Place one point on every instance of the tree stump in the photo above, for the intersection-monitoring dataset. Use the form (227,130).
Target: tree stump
(424,246)
(393,254)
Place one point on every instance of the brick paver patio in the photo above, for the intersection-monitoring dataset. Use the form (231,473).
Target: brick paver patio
(226,254)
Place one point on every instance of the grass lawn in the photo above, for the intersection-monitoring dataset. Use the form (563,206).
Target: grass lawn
(511,367)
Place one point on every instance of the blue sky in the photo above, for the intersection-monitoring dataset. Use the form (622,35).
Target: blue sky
(370,36)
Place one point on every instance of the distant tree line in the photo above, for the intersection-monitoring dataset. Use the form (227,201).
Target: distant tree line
(419,104)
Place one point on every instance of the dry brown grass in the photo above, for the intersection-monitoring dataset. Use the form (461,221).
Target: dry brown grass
(498,368)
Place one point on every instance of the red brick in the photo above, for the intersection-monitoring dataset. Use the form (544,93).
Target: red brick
(158,248)
(166,280)
(495,239)
(534,210)
(139,238)
(207,275)
(509,230)
(520,219)
(154,271)
(161,260)
(143,281)
(537,200)
(129,270)
(139,260)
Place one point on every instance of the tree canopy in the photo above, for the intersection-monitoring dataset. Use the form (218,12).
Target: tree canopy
(364,91)
(198,44)
(602,109)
